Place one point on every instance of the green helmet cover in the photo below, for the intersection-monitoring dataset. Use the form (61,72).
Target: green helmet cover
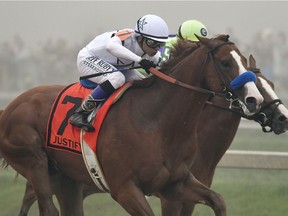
(190,28)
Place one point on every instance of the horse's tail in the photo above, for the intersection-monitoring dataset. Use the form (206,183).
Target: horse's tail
(1,111)
(3,163)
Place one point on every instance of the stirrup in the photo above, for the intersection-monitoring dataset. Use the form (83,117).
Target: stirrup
(79,120)
(83,125)
(88,128)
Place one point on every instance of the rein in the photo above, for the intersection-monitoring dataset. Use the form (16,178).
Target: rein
(259,117)
(179,83)
(262,118)
(194,88)
(232,105)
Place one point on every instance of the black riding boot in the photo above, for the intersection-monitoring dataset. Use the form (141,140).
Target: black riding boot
(99,94)
(79,118)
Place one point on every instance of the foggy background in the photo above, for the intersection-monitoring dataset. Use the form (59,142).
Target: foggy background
(39,41)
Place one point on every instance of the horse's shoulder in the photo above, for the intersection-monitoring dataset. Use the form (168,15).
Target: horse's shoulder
(144,83)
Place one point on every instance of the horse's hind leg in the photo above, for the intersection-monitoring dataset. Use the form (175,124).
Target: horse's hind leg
(27,158)
(39,178)
(28,200)
(191,191)
(69,194)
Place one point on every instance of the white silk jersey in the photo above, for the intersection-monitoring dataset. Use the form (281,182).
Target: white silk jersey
(119,48)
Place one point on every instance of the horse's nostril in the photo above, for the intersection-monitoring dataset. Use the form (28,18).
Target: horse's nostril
(250,100)
(282,118)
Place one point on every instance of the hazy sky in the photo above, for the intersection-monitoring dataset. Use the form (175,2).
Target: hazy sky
(75,20)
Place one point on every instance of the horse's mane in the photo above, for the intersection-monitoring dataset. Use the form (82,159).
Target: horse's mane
(178,51)
(144,83)
(183,48)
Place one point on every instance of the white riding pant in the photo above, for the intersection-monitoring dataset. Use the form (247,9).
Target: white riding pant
(93,65)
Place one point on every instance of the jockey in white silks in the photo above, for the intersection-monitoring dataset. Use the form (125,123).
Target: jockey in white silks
(115,50)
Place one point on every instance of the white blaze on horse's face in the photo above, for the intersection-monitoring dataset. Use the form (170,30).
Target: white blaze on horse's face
(250,87)
(273,96)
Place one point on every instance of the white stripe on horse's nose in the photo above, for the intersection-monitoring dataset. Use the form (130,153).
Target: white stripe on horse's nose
(253,92)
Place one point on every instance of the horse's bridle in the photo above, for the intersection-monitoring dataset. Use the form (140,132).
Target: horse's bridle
(261,117)
(235,105)
(195,88)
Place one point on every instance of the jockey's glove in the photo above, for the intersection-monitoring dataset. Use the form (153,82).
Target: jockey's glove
(146,65)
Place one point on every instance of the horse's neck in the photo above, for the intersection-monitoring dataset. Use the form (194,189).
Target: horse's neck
(175,105)
(172,106)
(216,131)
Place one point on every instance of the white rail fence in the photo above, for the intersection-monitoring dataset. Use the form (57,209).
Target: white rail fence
(254,159)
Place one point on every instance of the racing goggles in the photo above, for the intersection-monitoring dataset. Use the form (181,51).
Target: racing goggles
(154,44)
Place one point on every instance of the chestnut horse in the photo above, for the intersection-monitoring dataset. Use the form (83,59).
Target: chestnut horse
(145,146)
(273,116)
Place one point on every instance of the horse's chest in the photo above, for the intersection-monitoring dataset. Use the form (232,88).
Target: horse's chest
(166,175)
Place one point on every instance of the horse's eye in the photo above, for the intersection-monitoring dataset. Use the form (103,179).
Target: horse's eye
(225,63)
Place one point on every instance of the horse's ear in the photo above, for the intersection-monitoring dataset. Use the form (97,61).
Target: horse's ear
(245,60)
(205,41)
(252,61)
(223,37)
(227,37)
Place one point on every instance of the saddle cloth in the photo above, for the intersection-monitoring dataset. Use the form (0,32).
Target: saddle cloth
(61,135)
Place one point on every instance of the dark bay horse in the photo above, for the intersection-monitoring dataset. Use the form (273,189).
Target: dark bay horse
(216,112)
(214,141)
(145,146)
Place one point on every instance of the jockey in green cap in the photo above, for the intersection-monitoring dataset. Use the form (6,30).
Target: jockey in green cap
(187,31)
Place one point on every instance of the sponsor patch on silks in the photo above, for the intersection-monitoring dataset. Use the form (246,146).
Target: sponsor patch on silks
(124,34)
(61,135)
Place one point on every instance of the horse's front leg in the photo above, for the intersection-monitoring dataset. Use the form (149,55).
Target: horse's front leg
(190,191)
(170,208)
(176,208)
(187,210)
(132,199)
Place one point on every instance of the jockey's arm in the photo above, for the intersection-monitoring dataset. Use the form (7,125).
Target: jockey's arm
(114,46)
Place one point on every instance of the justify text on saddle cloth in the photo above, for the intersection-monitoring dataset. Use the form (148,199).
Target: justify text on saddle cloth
(68,143)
